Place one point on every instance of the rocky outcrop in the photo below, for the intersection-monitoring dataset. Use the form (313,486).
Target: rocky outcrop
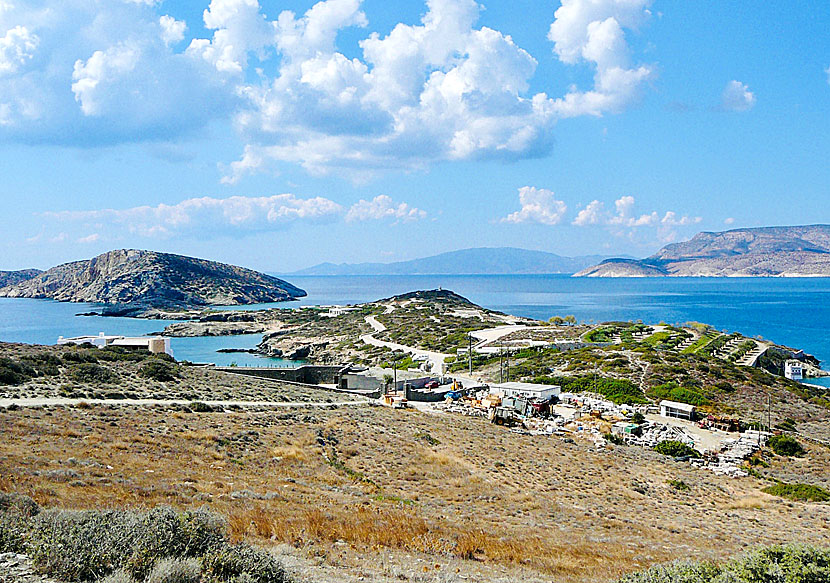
(15,277)
(802,251)
(151,279)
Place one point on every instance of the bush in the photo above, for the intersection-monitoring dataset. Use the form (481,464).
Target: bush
(242,560)
(14,373)
(175,571)
(13,533)
(119,576)
(87,545)
(786,445)
(89,372)
(676,449)
(158,370)
(799,492)
(784,564)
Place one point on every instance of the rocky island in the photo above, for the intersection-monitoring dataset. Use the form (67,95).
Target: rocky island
(799,251)
(149,279)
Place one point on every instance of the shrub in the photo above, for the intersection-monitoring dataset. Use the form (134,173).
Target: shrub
(13,372)
(786,445)
(676,449)
(799,492)
(158,370)
(242,560)
(86,545)
(18,504)
(75,356)
(89,372)
(119,576)
(199,407)
(175,571)
(13,533)
(784,564)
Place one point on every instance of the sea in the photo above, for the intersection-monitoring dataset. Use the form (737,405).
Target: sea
(790,311)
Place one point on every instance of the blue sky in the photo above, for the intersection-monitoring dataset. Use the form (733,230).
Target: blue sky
(278,135)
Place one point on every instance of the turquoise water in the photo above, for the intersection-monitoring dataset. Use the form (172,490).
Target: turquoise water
(42,321)
(794,312)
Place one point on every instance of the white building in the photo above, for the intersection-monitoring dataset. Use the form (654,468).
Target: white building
(154,344)
(677,410)
(527,390)
(794,370)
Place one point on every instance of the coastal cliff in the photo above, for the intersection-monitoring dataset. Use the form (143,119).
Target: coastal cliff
(13,277)
(152,279)
(802,251)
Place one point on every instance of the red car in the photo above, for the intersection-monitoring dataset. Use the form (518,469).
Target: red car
(432,385)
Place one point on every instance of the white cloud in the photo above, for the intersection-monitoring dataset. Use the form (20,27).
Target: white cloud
(17,47)
(172,30)
(593,31)
(441,89)
(827,71)
(625,222)
(737,97)
(590,215)
(239,29)
(92,238)
(539,205)
(729,221)
(383,207)
(237,214)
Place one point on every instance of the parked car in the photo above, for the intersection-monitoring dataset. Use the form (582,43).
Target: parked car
(432,385)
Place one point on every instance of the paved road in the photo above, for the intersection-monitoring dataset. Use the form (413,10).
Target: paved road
(41,401)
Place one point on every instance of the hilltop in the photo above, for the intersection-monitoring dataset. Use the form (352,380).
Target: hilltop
(800,251)
(13,277)
(478,261)
(153,279)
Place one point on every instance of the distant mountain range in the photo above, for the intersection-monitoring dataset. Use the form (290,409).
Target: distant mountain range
(478,261)
(151,279)
(801,251)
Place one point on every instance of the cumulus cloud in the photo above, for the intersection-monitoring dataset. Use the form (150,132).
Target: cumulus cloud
(172,30)
(233,215)
(729,221)
(593,31)
(101,73)
(440,89)
(624,221)
(383,207)
(539,205)
(590,215)
(827,71)
(17,46)
(736,96)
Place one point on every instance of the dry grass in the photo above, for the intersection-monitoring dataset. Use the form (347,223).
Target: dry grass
(535,506)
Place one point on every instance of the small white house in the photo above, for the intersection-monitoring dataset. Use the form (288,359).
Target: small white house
(794,370)
(677,410)
(527,390)
(154,344)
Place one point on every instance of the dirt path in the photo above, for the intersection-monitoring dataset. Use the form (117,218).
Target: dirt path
(42,401)
(436,359)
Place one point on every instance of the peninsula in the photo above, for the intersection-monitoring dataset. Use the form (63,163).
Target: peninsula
(797,251)
(149,279)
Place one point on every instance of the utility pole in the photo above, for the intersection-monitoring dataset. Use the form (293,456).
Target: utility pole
(470,353)
(395,373)
(769,412)
(501,364)
(507,365)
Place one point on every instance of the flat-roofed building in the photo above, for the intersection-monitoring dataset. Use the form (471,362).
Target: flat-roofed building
(154,344)
(677,410)
(794,370)
(527,390)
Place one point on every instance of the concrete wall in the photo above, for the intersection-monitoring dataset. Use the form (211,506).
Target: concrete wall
(413,394)
(359,382)
(306,374)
